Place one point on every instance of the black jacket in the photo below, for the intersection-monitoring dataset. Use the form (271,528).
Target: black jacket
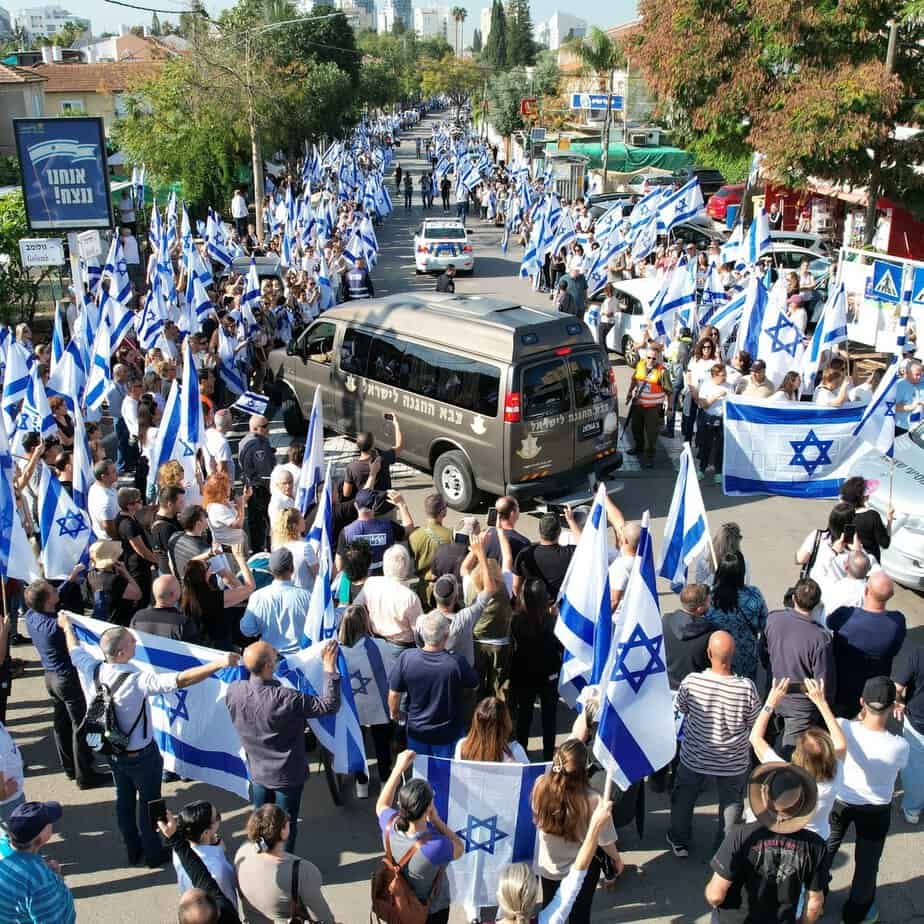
(686,639)
(445,283)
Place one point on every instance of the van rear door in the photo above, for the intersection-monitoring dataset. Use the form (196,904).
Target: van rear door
(537,414)
(593,400)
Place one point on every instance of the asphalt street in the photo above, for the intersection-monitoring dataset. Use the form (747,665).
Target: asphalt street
(344,842)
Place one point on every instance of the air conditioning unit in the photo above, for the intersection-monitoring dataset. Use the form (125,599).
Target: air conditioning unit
(638,139)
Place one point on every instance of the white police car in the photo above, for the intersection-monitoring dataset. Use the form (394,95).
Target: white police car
(439,242)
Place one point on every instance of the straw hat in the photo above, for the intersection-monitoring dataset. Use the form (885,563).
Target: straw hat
(105,554)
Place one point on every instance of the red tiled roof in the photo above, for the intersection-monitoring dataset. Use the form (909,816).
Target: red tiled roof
(95,78)
(10,74)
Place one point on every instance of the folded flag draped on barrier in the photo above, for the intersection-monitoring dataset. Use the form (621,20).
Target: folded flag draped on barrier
(488,806)
(193,728)
(797,450)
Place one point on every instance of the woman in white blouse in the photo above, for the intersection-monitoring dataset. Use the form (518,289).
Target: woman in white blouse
(789,389)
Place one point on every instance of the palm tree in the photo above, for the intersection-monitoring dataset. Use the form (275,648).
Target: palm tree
(600,56)
(459,14)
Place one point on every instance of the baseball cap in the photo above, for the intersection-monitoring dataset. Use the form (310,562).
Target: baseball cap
(434,505)
(368,500)
(27,822)
(281,561)
(879,694)
(445,587)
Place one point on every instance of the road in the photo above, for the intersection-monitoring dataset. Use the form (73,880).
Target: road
(344,843)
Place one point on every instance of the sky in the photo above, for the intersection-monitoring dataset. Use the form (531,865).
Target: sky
(107,17)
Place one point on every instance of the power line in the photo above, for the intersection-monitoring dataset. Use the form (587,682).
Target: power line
(151,9)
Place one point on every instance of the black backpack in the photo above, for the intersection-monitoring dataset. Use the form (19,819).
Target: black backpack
(99,730)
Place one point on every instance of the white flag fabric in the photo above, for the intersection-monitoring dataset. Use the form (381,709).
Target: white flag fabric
(311,475)
(64,527)
(877,426)
(636,734)
(830,331)
(796,450)
(369,665)
(488,806)
(686,533)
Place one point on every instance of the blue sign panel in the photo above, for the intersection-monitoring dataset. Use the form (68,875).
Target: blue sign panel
(917,286)
(65,181)
(595,101)
(887,281)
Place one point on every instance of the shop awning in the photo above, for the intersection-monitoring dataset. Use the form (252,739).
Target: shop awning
(624,158)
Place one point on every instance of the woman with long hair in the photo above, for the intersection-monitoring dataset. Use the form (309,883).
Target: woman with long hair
(874,535)
(705,355)
(535,662)
(822,552)
(289,532)
(519,890)
(489,738)
(790,389)
(739,609)
(265,872)
(725,541)
(563,803)
(491,632)
(355,637)
(207,605)
(199,823)
(415,818)
(226,519)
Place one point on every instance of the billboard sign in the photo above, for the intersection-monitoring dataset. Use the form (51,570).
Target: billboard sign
(41,251)
(596,101)
(65,180)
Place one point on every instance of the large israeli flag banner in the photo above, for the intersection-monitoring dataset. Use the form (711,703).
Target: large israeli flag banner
(637,735)
(369,663)
(193,728)
(487,805)
(796,450)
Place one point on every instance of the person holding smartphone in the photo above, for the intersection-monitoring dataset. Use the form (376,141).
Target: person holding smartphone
(357,472)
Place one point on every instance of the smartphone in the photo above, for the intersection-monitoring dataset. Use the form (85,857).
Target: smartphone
(492,516)
(461,538)
(388,416)
(157,811)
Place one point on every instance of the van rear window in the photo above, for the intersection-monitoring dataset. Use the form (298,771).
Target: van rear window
(545,390)
(448,377)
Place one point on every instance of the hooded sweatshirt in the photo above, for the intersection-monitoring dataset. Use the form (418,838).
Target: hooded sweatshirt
(686,639)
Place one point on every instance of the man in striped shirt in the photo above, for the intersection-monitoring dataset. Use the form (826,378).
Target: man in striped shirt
(720,709)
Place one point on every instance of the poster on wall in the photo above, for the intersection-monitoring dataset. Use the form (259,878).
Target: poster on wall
(65,180)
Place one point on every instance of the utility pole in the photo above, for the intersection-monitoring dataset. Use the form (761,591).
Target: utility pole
(605,147)
(256,149)
(875,173)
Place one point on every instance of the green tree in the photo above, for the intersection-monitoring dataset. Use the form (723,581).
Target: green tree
(495,48)
(454,77)
(505,90)
(521,47)
(476,42)
(68,34)
(805,84)
(19,288)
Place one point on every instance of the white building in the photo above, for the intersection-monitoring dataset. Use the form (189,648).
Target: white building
(485,24)
(395,11)
(559,27)
(6,24)
(46,21)
(432,21)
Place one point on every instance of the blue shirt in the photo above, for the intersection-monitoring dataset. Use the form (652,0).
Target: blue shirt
(49,641)
(277,614)
(906,393)
(33,893)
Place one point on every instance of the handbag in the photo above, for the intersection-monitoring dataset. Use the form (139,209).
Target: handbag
(807,567)
(298,913)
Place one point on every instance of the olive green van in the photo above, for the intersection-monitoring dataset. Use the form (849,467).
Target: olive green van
(491,396)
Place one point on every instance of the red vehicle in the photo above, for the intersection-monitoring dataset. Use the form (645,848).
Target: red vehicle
(719,202)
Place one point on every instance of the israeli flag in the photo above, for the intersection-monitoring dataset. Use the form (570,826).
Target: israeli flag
(369,663)
(686,533)
(228,369)
(682,205)
(767,334)
(251,403)
(167,436)
(724,318)
(190,432)
(312,474)
(121,318)
(644,211)
(645,239)
(321,621)
(488,807)
(82,462)
(795,450)
(115,269)
(636,735)
(714,293)
(732,248)
(16,379)
(64,527)
(35,414)
(830,332)
(328,298)
(16,557)
(677,293)
(757,240)
(99,381)
(585,613)
(151,322)
(877,425)
(57,336)
(68,378)
(215,245)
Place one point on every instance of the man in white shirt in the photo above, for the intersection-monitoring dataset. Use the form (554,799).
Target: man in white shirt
(874,759)
(102,501)
(239,212)
(130,414)
(136,771)
(630,535)
(848,590)
(217,446)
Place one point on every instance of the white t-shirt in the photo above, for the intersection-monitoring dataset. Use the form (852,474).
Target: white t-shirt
(217,446)
(710,390)
(221,516)
(874,759)
(11,763)
(780,397)
(305,562)
(102,505)
(516,756)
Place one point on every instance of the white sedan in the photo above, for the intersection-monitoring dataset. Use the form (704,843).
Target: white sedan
(439,242)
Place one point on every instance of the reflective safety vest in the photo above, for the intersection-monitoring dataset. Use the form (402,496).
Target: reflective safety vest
(357,283)
(649,389)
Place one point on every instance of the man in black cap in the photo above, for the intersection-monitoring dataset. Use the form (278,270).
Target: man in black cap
(874,759)
(31,887)
(773,859)
(445,281)
(378,532)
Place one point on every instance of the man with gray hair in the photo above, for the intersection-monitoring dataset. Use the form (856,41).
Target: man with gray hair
(848,590)
(434,680)
(136,771)
(393,606)
(217,446)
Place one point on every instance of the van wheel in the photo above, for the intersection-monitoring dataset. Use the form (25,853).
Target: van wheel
(629,352)
(293,418)
(453,478)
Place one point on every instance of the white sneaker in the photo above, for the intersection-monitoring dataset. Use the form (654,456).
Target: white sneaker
(911,817)
(362,790)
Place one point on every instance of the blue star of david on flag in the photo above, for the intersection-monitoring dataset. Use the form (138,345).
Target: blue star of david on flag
(638,640)
(890,409)
(179,711)
(361,684)
(188,449)
(774,332)
(809,442)
(71,524)
(473,825)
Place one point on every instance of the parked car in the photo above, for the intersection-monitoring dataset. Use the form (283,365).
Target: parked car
(268,267)
(439,242)
(643,183)
(804,239)
(699,231)
(788,258)
(599,205)
(717,206)
(710,181)
(634,298)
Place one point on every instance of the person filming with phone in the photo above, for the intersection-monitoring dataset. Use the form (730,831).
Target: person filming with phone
(357,472)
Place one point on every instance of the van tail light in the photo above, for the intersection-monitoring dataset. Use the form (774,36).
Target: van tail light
(421,248)
(512,407)
(467,248)
(563,351)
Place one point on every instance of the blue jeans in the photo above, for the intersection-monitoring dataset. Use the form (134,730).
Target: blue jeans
(688,784)
(137,780)
(430,750)
(288,799)
(913,774)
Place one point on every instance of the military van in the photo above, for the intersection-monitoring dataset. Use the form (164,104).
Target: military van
(491,396)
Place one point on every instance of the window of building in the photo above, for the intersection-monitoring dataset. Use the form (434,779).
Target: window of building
(72,105)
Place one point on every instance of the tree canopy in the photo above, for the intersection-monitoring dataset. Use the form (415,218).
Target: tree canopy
(454,77)
(495,48)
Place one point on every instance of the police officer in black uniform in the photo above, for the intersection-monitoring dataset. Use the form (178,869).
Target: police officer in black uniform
(257,459)
(357,283)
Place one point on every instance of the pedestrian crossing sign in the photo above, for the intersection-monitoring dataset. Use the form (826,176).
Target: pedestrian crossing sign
(887,281)
(917,286)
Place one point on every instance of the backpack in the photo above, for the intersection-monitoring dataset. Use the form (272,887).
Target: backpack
(99,729)
(393,899)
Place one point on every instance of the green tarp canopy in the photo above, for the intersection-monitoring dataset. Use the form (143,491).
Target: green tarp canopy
(627,159)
